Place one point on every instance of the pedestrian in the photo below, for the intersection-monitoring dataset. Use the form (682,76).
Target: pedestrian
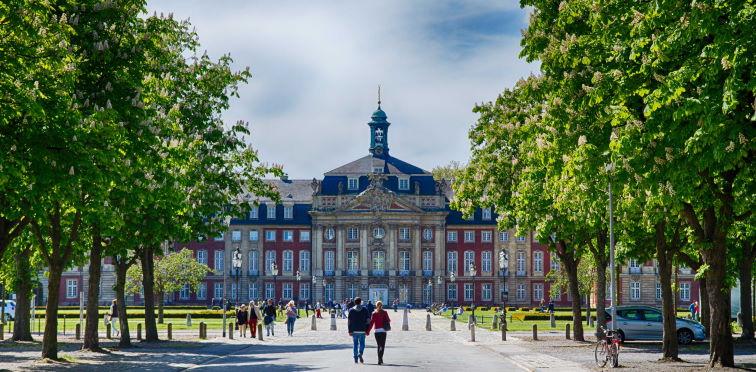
(370,307)
(551,307)
(693,308)
(114,318)
(358,324)
(252,317)
(307,309)
(291,317)
(269,317)
(318,311)
(396,304)
(380,323)
(241,320)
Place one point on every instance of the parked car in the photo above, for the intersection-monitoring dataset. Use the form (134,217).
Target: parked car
(645,323)
(10,309)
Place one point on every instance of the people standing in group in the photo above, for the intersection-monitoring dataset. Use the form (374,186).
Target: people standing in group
(252,316)
(380,323)
(358,321)
(291,317)
(693,308)
(113,317)
(241,320)
(269,318)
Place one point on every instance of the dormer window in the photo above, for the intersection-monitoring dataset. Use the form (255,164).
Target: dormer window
(353,183)
(487,214)
(404,183)
(288,212)
(377,169)
(271,211)
(253,213)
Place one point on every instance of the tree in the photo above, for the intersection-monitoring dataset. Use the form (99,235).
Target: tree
(448,172)
(172,272)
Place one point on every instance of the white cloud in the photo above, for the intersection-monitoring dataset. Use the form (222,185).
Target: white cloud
(316,67)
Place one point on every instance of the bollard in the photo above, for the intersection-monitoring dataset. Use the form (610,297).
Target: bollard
(503,331)
(453,326)
(78,331)
(2,331)
(314,326)
(567,331)
(427,323)
(472,332)
(495,322)
(202,331)
(107,331)
(139,331)
(333,321)
(64,324)
(188,320)
(170,331)
(535,332)
(259,332)
(590,321)
(405,321)
(231,331)
(553,320)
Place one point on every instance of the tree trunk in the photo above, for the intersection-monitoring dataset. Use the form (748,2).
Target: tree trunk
(721,346)
(23,287)
(50,340)
(148,282)
(601,257)
(745,276)
(704,305)
(161,301)
(567,257)
(91,336)
(121,267)
(669,316)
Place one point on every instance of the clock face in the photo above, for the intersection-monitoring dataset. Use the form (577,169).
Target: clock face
(379,150)
(379,233)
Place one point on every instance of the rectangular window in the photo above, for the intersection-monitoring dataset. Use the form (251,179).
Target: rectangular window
(202,291)
(404,260)
(538,261)
(304,291)
(520,263)
(469,261)
(486,261)
(236,236)
(184,293)
(521,239)
(451,236)
(469,292)
(218,290)
(270,290)
(271,211)
(288,291)
(329,291)
(253,292)
(233,290)
(353,260)
(304,235)
(404,184)
(469,236)
(538,291)
(486,236)
(486,292)
(254,257)
(219,264)
(202,256)
(635,291)
(451,290)
(684,291)
(304,261)
(328,264)
(379,260)
(270,235)
(72,288)
(427,260)
(219,238)
(427,294)
(270,259)
(254,235)
(288,236)
(554,263)
(634,266)
(288,212)
(254,213)
(353,234)
(658,291)
(353,183)
(288,262)
(520,292)
(451,262)
(351,290)
(404,233)
(486,214)
(503,236)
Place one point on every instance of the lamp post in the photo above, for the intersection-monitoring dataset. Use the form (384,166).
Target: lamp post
(430,290)
(503,266)
(274,271)
(312,293)
(473,271)
(236,262)
(227,223)
(612,286)
(299,287)
(452,279)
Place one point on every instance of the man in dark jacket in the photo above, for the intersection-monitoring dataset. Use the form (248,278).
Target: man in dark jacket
(269,317)
(358,320)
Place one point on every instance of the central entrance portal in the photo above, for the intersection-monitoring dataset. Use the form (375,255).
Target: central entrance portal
(379,292)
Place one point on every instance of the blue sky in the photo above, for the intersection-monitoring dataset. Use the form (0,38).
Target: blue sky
(316,66)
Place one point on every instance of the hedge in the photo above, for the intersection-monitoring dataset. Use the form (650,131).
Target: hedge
(179,307)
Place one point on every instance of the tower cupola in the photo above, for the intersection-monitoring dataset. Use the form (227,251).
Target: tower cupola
(379,131)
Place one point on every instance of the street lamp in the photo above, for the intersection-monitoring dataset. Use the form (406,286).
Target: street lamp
(430,289)
(473,271)
(503,265)
(236,262)
(312,293)
(274,271)
(226,223)
(299,277)
(609,169)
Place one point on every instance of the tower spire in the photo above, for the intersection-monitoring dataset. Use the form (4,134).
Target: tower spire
(379,95)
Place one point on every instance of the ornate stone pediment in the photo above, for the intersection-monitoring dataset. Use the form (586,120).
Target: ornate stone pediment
(377,198)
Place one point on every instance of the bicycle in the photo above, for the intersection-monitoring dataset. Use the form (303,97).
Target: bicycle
(607,348)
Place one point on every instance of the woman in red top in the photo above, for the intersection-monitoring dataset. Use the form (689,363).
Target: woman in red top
(381,323)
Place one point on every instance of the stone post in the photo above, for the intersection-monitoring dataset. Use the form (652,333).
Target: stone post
(495,322)
(170,331)
(314,326)
(427,322)
(503,331)
(2,331)
(472,332)
(107,331)
(188,320)
(405,321)
(567,331)
(333,321)
(553,320)
(231,331)
(260,332)
(139,331)
(78,331)
(535,332)
(202,330)
(453,326)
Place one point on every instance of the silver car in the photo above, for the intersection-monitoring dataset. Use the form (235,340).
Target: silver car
(645,323)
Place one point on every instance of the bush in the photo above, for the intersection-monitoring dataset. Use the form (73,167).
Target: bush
(524,309)
(546,316)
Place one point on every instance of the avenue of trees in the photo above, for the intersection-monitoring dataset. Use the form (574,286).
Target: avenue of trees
(112,145)
(656,98)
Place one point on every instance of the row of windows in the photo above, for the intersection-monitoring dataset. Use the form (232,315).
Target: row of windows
(468,292)
(288,212)
(253,255)
(486,236)
(635,291)
(270,236)
(253,291)
(353,183)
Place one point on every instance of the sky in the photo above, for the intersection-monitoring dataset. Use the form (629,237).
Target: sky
(316,67)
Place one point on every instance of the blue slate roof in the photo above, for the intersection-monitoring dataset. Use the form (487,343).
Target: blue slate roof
(365,165)
(330,185)
(455,218)
(301,216)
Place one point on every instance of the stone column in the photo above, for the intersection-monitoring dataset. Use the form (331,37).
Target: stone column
(364,251)
(391,259)
(339,264)
(417,264)
(439,258)
(317,250)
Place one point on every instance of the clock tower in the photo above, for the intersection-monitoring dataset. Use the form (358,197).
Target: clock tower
(379,133)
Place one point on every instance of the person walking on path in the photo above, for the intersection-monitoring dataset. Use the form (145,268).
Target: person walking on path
(318,311)
(380,323)
(370,307)
(358,323)
(113,315)
(241,320)
(396,304)
(291,317)
(693,308)
(252,317)
(269,317)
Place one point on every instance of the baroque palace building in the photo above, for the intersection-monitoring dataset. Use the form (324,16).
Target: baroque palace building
(380,228)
